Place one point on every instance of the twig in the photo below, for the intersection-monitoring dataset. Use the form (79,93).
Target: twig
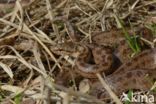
(111,93)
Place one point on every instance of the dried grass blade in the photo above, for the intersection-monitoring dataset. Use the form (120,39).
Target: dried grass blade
(7,69)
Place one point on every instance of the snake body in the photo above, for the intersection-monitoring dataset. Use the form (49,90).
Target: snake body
(137,73)
(133,72)
(104,57)
(130,75)
(109,53)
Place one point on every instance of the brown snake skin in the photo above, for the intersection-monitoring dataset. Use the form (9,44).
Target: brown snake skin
(103,57)
(132,74)
(98,57)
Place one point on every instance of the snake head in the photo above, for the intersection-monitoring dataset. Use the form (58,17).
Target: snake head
(67,48)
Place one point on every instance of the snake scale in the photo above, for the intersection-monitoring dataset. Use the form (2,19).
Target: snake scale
(99,57)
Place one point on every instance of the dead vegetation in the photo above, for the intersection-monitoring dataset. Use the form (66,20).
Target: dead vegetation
(31,72)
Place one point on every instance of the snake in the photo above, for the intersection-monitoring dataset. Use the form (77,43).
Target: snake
(104,58)
(132,72)
(137,73)
(109,54)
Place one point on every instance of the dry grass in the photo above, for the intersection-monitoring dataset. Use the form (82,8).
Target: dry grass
(29,68)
